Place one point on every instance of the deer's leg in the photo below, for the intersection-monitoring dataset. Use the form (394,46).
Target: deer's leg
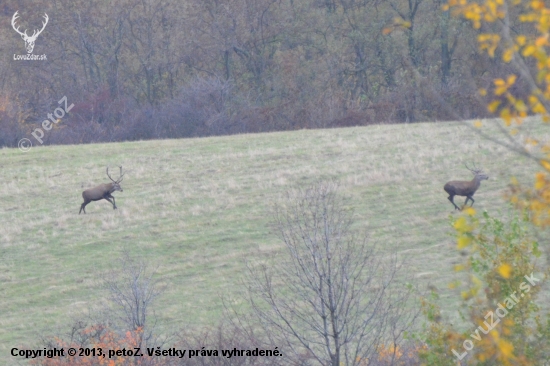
(114,202)
(450,198)
(469,198)
(83,207)
(108,198)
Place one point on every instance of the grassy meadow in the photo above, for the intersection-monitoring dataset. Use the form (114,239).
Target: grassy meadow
(198,208)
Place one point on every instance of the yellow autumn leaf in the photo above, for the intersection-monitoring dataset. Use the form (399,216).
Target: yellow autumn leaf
(537,4)
(470,211)
(483,37)
(505,270)
(508,55)
(536,206)
(529,50)
(478,124)
(505,347)
(406,24)
(541,41)
(533,99)
(539,109)
(489,18)
(521,40)
(540,181)
(545,164)
(526,18)
(460,224)
(492,107)
(482,92)
(463,242)
(501,90)
(511,79)
(506,116)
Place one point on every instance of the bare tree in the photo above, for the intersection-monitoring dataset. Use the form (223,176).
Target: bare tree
(132,291)
(333,296)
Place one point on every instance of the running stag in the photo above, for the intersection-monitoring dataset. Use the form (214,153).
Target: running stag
(465,188)
(102,191)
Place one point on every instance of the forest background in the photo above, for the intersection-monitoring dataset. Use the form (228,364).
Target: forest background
(159,69)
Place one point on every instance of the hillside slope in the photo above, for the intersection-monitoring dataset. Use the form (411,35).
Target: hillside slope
(198,207)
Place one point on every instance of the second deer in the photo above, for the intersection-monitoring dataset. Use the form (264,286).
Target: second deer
(465,188)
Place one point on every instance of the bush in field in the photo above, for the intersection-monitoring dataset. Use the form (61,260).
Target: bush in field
(500,298)
(502,265)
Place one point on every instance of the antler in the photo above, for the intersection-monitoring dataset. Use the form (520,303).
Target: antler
(13,19)
(45,16)
(121,175)
(119,178)
(35,34)
(475,170)
(110,175)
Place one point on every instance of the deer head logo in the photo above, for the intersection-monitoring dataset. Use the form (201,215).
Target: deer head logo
(29,40)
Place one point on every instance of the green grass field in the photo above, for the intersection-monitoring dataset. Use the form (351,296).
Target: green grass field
(198,207)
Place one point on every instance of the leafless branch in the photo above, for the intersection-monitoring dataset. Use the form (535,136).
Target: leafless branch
(332,296)
(132,290)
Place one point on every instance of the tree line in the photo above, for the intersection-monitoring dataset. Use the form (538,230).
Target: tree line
(156,69)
